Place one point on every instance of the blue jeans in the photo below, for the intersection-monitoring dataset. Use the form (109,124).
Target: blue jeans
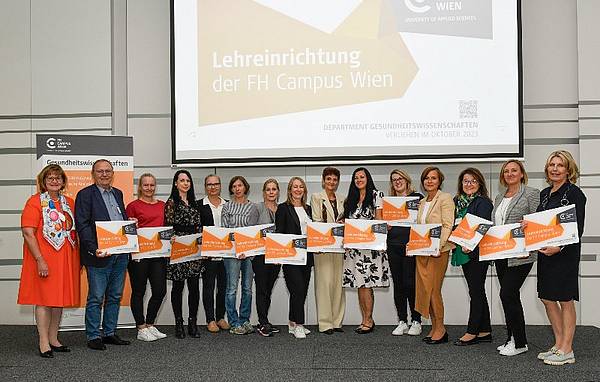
(233,267)
(105,286)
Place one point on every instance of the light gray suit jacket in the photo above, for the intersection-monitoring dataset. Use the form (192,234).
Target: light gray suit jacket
(523,202)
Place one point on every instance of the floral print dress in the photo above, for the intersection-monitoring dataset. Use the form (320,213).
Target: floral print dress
(185,220)
(365,268)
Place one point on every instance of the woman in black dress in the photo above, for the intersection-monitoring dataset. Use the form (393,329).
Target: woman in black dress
(181,212)
(558,267)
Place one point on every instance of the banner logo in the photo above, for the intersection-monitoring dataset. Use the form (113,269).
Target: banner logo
(417,8)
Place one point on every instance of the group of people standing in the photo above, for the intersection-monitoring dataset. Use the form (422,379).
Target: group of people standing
(50,274)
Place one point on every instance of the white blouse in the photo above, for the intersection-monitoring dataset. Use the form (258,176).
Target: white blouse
(500,215)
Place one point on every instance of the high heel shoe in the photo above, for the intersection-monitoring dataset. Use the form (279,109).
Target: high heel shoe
(364,329)
(60,349)
(442,340)
(426,339)
(47,354)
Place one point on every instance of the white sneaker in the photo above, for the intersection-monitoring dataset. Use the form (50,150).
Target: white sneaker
(145,335)
(306,331)
(400,329)
(510,350)
(291,329)
(415,329)
(156,333)
(299,331)
(511,341)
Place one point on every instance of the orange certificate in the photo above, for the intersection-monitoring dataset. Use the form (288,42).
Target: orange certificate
(217,242)
(424,240)
(551,228)
(282,248)
(365,234)
(186,248)
(503,242)
(400,210)
(153,242)
(325,237)
(470,231)
(250,241)
(117,237)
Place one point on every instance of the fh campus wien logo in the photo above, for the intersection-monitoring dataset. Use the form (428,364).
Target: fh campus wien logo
(57,143)
(417,6)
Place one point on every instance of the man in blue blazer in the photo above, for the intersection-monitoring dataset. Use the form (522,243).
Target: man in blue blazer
(105,273)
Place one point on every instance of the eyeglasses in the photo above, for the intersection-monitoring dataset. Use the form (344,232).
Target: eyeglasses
(54,179)
(103,171)
(397,180)
(213,184)
(470,182)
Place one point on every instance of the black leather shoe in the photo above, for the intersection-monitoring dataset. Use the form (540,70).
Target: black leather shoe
(426,339)
(193,328)
(96,344)
(366,329)
(115,340)
(60,349)
(486,338)
(179,330)
(46,354)
(442,340)
(338,330)
(328,332)
(472,341)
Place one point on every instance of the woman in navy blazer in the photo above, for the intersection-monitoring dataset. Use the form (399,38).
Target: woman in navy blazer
(291,218)
(472,198)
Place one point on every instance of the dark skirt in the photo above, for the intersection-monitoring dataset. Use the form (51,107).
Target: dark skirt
(558,275)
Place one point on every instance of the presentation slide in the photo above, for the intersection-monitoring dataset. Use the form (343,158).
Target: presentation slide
(278,81)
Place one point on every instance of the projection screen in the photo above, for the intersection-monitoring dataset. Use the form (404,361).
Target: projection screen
(282,81)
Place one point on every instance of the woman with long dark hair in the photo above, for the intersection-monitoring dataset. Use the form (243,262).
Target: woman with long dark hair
(364,269)
(181,212)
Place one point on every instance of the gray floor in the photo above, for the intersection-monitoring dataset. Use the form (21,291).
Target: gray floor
(347,356)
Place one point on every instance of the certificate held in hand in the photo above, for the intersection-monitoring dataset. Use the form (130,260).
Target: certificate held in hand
(400,210)
(470,231)
(186,248)
(217,242)
(250,241)
(365,234)
(325,237)
(503,242)
(153,242)
(281,248)
(551,228)
(115,237)
(424,240)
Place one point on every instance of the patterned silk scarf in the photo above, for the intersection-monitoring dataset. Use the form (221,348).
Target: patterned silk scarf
(58,226)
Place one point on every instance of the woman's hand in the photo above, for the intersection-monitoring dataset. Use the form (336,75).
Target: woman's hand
(549,251)
(136,221)
(42,267)
(524,224)
(172,239)
(100,253)
(465,250)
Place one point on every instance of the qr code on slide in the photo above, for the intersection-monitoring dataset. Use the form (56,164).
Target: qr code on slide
(467,109)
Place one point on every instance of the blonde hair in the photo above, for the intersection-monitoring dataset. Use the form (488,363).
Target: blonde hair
(568,161)
(46,171)
(406,177)
(289,191)
(139,188)
(268,181)
(525,178)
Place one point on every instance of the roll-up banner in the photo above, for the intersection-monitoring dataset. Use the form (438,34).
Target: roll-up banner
(76,154)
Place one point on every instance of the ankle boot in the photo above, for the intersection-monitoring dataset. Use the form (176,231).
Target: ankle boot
(192,328)
(179,331)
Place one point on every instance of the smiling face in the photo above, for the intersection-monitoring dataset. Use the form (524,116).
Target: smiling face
(331,182)
(298,190)
(360,180)
(399,184)
(103,174)
(470,185)
(512,174)
(271,192)
(183,184)
(148,187)
(557,170)
(238,189)
(431,183)
(53,182)
(213,186)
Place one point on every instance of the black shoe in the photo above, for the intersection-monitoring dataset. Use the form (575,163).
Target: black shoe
(338,330)
(264,330)
(426,339)
(179,330)
(328,331)
(96,344)
(486,338)
(193,328)
(472,341)
(60,349)
(115,340)
(442,340)
(46,354)
(274,329)
(365,329)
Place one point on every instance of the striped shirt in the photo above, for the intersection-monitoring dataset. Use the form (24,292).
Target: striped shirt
(239,214)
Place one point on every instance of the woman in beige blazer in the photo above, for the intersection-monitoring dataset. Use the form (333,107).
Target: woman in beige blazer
(435,207)
(327,207)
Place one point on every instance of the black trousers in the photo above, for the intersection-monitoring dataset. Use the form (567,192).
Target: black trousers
(214,275)
(140,272)
(265,276)
(297,278)
(479,310)
(511,280)
(403,270)
(193,284)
